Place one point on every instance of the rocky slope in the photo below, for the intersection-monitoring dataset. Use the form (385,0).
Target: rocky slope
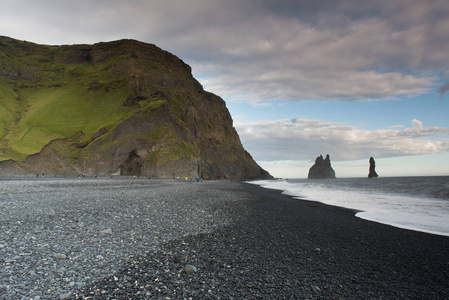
(122,107)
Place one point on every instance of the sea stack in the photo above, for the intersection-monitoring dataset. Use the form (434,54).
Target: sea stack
(321,169)
(372,169)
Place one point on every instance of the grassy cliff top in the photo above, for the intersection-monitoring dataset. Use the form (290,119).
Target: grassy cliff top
(53,92)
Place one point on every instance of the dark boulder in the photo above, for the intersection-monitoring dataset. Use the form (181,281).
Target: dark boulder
(372,169)
(322,169)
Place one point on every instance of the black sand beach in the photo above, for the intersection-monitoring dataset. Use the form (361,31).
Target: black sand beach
(131,239)
(282,248)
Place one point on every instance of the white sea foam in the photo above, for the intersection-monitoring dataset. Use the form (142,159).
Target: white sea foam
(392,205)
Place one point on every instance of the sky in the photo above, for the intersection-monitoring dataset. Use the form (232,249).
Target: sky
(353,78)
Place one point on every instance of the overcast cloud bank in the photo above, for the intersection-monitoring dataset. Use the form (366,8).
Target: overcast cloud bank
(265,50)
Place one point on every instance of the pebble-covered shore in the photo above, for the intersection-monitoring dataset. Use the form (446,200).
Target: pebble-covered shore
(59,235)
(165,239)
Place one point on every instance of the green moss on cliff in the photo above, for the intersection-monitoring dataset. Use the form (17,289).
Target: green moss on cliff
(169,154)
(56,113)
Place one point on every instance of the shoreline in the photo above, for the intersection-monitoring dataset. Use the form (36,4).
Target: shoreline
(131,239)
(426,212)
(288,248)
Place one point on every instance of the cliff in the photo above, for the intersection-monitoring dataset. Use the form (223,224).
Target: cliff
(122,107)
(322,169)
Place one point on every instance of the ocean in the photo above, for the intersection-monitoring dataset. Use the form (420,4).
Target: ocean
(414,203)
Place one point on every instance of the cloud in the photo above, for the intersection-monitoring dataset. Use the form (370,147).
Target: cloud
(264,50)
(291,57)
(304,139)
(443,89)
(416,123)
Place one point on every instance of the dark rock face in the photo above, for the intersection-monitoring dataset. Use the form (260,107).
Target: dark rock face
(172,127)
(372,169)
(322,169)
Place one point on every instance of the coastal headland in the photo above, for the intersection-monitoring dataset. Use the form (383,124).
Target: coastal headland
(143,239)
(123,107)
